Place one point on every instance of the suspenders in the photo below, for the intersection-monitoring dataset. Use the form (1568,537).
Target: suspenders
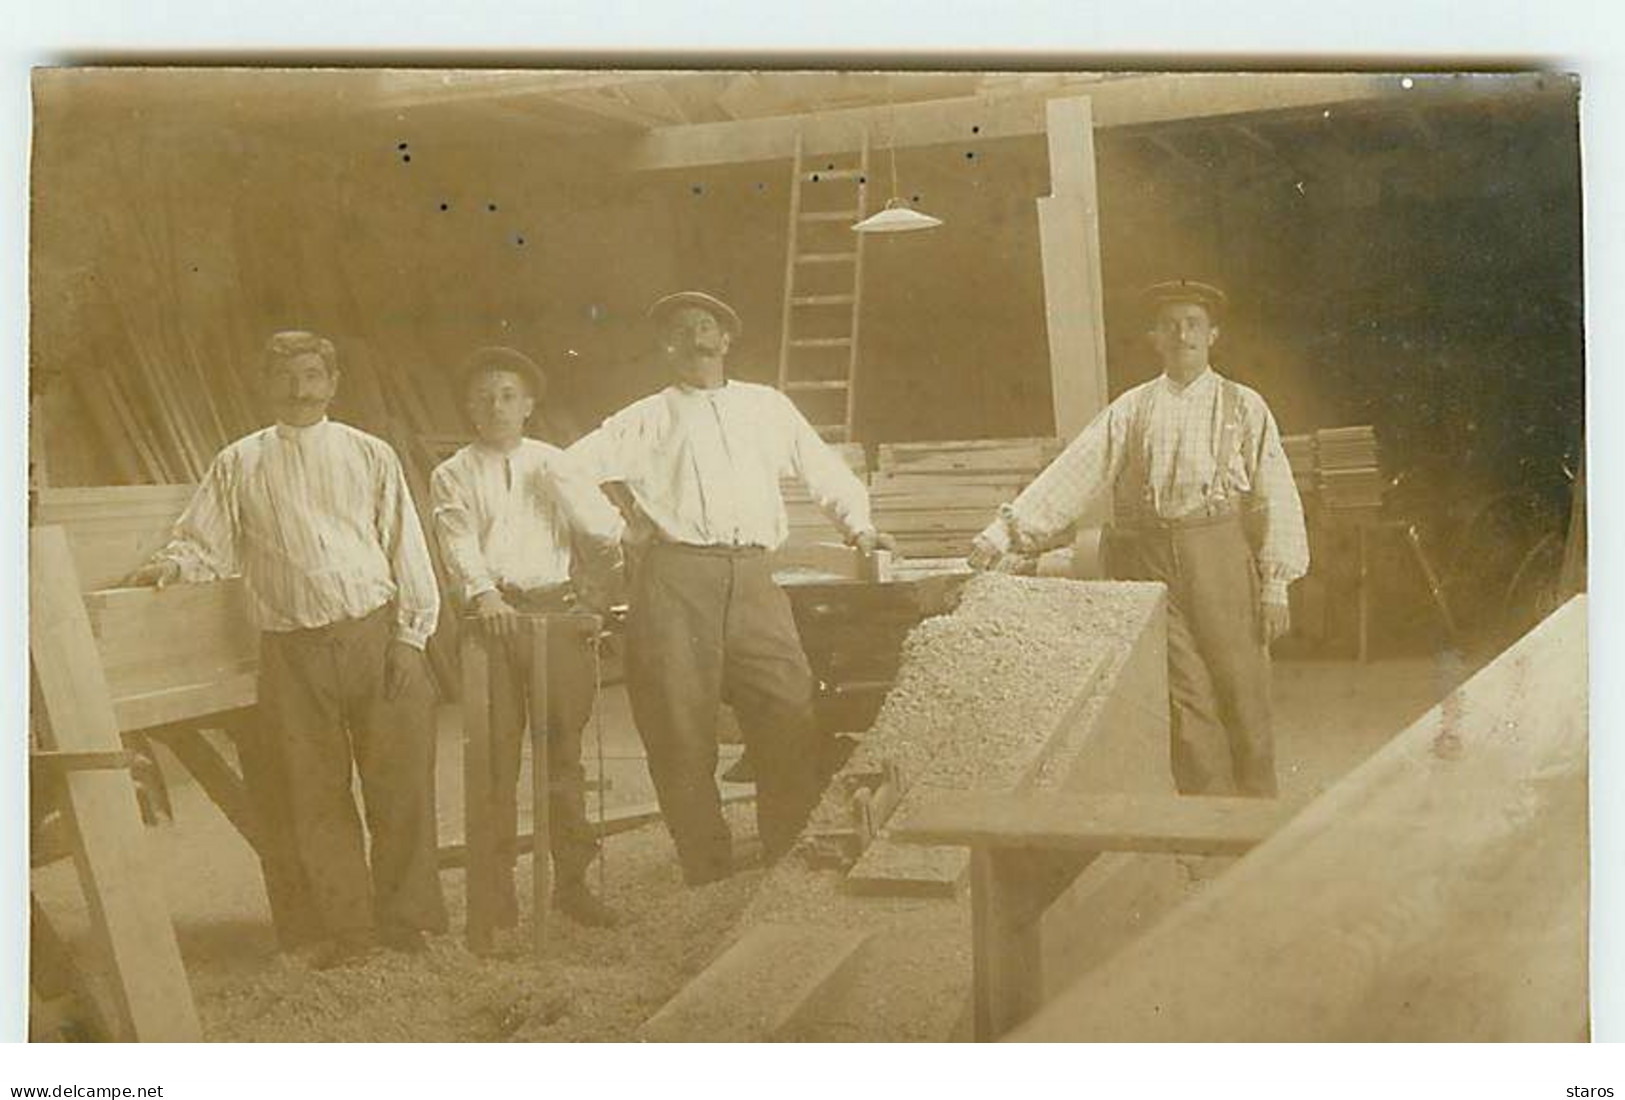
(1221,492)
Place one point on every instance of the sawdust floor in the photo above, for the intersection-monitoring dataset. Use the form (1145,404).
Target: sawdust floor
(591,984)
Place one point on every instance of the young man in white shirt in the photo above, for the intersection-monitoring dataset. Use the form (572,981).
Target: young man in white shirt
(317,518)
(701,461)
(1203,501)
(508,511)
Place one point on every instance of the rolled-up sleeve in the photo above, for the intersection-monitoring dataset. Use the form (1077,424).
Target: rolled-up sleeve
(833,487)
(588,512)
(1066,488)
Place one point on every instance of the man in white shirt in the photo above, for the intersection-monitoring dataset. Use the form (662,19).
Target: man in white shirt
(1204,502)
(506,511)
(701,461)
(317,518)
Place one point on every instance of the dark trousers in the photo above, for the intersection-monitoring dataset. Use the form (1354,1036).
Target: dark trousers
(1218,665)
(571,685)
(322,717)
(704,622)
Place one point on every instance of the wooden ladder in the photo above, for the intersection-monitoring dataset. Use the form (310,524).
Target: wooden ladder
(823,289)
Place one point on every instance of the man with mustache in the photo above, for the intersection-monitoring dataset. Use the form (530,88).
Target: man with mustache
(317,518)
(1203,501)
(701,461)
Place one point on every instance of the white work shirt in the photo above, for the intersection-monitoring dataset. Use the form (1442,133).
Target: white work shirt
(319,522)
(1154,449)
(704,465)
(506,519)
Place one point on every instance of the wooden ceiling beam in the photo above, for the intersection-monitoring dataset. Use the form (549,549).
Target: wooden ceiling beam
(1121,101)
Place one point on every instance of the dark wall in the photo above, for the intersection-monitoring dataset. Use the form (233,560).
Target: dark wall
(1420,272)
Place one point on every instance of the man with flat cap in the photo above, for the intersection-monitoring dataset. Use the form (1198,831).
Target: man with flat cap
(317,518)
(1203,501)
(512,515)
(701,460)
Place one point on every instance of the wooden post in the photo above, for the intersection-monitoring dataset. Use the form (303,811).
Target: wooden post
(1069,238)
(1006,958)
(541,861)
(478,827)
(131,921)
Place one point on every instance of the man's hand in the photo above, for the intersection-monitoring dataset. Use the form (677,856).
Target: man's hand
(985,556)
(871,540)
(1275,620)
(495,615)
(399,661)
(155,574)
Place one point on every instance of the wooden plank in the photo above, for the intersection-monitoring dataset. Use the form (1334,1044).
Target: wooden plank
(1006,973)
(1122,101)
(216,776)
(820,557)
(113,529)
(991,456)
(758,988)
(1104,823)
(120,449)
(184,638)
(479,828)
(159,468)
(1069,242)
(541,856)
(132,927)
(929,487)
(889,869)
(237,689)
(1436,892)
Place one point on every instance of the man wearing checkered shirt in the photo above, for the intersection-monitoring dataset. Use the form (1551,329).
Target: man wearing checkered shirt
(1204,502)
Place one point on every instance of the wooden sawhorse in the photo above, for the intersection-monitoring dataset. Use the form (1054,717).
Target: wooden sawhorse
(1027,848)
(483,866)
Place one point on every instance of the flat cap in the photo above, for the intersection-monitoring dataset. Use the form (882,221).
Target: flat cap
(490,360)
(722,311)
(1184,290)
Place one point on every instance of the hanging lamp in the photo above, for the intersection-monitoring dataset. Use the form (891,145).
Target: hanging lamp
(897,216)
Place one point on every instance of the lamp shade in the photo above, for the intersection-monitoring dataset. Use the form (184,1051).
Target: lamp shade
(897,217)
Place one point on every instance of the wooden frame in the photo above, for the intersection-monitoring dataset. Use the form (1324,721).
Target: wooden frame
(152,999)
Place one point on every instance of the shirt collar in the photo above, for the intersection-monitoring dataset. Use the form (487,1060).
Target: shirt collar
(297,434)
(686,390)
(1194,388)
(486,451)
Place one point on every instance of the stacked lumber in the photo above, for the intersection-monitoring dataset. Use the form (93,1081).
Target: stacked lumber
(1349,476)
(808,524)
(935,497)
(1300,455)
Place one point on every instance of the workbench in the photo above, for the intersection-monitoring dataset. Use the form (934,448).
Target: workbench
(852,631)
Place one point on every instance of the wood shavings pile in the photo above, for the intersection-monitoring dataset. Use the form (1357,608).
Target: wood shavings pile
(592,984)
(978,686)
